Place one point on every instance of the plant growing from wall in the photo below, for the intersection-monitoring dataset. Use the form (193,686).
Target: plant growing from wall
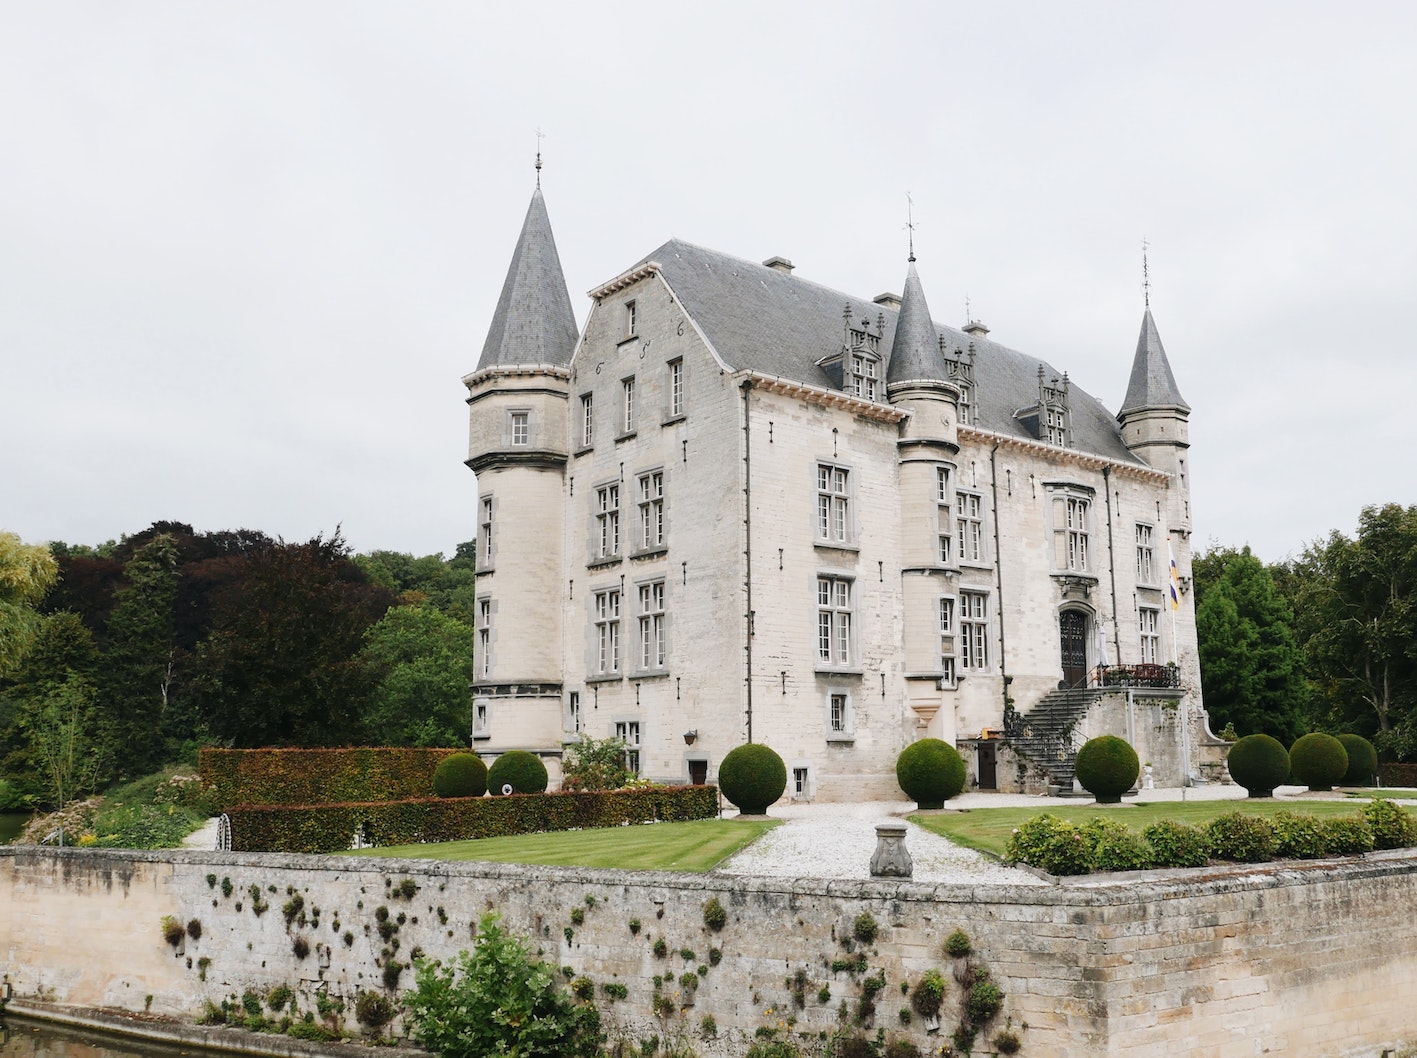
(374,1010)
(752,776)
(930,772)
(864,928)
(957,944)
(1107,767)
(1318,760)
(715,917)
(172,930)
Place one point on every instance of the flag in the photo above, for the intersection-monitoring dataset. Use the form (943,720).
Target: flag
(1102,646)
(1173,587)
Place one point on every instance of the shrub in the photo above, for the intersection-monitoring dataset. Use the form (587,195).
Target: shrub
(1176,844)
(278,997)
(930,772)
(1107,767)
(1318,760)
(520,770)
(864,929)
(1051,844)
(374,1010)
(1392,825)
(715,917)
(1240,837)
(172,930)
(1122,852)
(1300,837)
(928,994)
(497,999)
(1347,835)
(460,775)
(1259,763)
(594,764)
(194,928)
(957,944)
(752,776)
(1362,760)
(985,1000)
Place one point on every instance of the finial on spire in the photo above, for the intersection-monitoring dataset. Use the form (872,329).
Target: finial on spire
(910,223)
(539,137)
(1145,273)
(968,318)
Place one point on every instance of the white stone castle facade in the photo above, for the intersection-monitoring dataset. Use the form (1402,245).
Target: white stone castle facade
(740,506)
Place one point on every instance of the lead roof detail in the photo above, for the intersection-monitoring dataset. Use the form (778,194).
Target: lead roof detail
(533,322)
(1152,385)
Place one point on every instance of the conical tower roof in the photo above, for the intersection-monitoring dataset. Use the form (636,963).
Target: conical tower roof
(915,351)
(1152,385)
(533,323)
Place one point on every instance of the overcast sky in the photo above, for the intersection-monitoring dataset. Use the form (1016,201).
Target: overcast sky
(247,251)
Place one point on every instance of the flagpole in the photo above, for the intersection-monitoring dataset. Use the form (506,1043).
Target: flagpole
(1173,591)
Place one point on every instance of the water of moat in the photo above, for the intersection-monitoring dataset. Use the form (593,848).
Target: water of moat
(11,823)
(23,1038)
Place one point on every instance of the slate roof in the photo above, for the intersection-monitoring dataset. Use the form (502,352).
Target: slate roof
(915,350)
(760,319)
(1152,385)
(533,323)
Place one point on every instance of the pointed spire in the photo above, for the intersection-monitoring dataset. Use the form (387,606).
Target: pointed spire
(915,351)
(1152,385)
(533,323)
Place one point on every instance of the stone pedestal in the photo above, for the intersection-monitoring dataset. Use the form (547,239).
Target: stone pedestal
(891,860)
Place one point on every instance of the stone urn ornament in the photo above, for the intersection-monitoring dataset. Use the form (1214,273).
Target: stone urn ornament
(891,858)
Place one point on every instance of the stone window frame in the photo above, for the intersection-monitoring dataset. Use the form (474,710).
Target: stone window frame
(974,622)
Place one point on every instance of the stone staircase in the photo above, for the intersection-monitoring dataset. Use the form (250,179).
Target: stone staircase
(1044,734)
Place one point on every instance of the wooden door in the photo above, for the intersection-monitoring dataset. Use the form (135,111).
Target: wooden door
(988,770)
(1072,627)
(698,772)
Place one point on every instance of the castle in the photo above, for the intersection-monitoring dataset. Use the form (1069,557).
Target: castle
(740,506)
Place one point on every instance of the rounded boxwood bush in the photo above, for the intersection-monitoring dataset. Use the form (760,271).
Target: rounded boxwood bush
(1318,761)
(460,775)
(1107,767)
(752,776)
(520,770)
(1362,760)
(1259,763)
(930,772)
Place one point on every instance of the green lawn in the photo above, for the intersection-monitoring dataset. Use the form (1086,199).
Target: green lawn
(988,829)
(1394,794)
(697,846)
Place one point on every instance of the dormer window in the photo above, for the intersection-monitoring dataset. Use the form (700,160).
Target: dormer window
(865,377)
(1054,420)
(960,368)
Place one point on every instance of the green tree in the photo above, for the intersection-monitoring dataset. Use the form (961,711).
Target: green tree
(422,660)
(139,655)
(1251,666)
(1356,606)
(27,571)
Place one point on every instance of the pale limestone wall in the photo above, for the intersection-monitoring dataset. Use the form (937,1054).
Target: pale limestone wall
(1299,959)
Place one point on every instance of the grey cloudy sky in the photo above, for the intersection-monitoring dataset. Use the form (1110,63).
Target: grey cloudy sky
(247,251)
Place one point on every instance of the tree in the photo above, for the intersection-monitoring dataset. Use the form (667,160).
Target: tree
(1356,604)
(27,571)
(1251,666)
(422,660)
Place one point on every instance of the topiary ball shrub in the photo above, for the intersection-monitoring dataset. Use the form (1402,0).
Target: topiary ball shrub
(1362,760)
(930,772)
(752,776)
(460,775)
(1107,767)
(1259,763)
(520,770)
(1318,761)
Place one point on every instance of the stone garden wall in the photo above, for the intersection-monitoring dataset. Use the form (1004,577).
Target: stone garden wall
(1314,959)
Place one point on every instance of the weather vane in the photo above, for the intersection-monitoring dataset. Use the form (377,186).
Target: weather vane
(539,137)
(910,222)
(1145,273)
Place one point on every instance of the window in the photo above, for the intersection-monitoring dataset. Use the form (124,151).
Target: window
(1150,621)
(799,782)
(652,510)
(587,419)
(627,406)
(864,381)
(573,712)
(947,638)
(632,317)
(833,504)
(628,732)
(944,515)
(833,620)
(520,429)
(484,637)
(486,531)
(652,625)
(481,718)
(1057,425)
(966,404)
(947,671)
(1146,554)
(607,631)
(969,526)
(1077,512)
(837,708)
(676,388)
(607,521)
(974,629)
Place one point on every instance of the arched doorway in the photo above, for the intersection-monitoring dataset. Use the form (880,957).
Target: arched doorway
(1072,646)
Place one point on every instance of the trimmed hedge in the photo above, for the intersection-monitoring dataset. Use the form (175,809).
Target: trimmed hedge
(752,776)
(1362,760)
(1403,776)
(1259,763)
(461,775)
(930,772)
(319,776)
(520,770)
(1318,760)
(331,827)
(1107,767)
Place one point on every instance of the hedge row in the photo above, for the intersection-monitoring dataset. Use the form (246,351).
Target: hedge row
(319,776)
(1400,775)
(331,827)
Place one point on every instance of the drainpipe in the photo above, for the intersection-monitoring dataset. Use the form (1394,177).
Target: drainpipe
(1111,560)
(747,386)
(999,571)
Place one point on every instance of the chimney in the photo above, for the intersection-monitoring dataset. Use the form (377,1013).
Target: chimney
(976,328)
(889,300)
(779,264)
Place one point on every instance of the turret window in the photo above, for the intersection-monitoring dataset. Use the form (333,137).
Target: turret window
(485,551)
(521,429)
(484,637)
